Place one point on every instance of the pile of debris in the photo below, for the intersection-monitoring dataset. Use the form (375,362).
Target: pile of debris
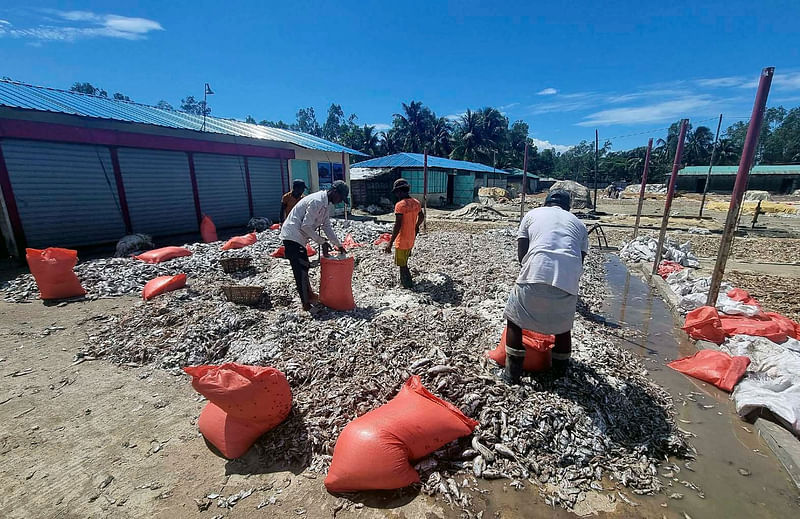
(633,190)
(580,194)
(477,211)
(643,248)
(604,420)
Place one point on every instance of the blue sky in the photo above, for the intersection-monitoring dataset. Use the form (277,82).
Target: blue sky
(564,67)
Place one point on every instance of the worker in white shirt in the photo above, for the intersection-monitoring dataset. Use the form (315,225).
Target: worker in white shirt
(551,246)
(301,225)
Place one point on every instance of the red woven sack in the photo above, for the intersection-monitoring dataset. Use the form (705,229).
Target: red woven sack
(208,231)
(715,367)
(786,325)
(280,252)
(275,226)
(239,242)
(336,283)
(743,296)
(374,451)
(163,254)
(384,238)
(760,327)
(163,284)
(704,323)
(350,243)
(538,347)
(667,267)
(232,436)
(52,271)
(310,250)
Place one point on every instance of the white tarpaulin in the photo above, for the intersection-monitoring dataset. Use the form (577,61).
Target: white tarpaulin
(644,249)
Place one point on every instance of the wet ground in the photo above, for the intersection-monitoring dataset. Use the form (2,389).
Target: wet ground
(736,473)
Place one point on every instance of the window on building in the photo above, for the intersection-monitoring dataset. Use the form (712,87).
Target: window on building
(329,172)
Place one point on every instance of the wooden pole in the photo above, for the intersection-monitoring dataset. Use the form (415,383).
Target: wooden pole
(524,182)
(596,153)
(642,190)
(710,165)
(670,193)
(742,176)
(425,191)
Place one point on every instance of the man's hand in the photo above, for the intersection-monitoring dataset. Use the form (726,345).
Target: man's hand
(341,250)
(326,249)
(388,249)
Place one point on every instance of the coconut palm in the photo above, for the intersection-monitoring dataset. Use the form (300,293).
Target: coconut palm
(698,146)
(467,136)
(369,141)
(442,144)
(414,126)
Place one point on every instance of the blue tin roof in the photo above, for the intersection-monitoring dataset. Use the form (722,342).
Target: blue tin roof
(732,170)
(417,160)
(29,97)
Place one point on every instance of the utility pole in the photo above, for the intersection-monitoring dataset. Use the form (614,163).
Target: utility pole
(206,91)
(710,165)
(596,153)
(670,193)
(642,190)
(742,176)
(425,190)
(524,182)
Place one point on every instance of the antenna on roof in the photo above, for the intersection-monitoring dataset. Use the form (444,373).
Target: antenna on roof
(206,92)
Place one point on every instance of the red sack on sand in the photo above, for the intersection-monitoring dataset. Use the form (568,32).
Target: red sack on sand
(208,231)
(275,226)
(280,252)
(384,238)
(667,267)
(537,350)
(239,242)
(350,243)
(163,284)
(704,323)
(163,254)
(310,250)
(374,451)
(52,271)
(743,296)
(244,403)
(715,367)
(785,324)
(760,327)
(336,283)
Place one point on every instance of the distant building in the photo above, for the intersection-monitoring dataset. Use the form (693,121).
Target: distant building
(78,169)
(775,179)
(515,181)
(450,182)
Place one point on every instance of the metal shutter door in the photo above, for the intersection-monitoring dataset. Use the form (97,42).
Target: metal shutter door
(66,196)
(267,186)
(223,190)
(159,191)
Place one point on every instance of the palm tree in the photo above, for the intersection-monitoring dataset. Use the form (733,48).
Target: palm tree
(389,143)
(493,128)
(442,144)
(369,141)
(414,126)
(727,152)
(698,146)
(467,136)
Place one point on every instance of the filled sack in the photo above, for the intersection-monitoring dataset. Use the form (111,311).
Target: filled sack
(336,283)
(163,254)
(275,226)
(350,243)
(757,325)
(538,356)
(667,267)
(743,296)
(52,269)
(715,367)
(240,242)
(208,231)
(375,451)
(244,403)
(704,324)
(383,238)
(162,285)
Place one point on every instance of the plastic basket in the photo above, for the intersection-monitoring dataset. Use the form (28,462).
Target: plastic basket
(243,295)
(231,265)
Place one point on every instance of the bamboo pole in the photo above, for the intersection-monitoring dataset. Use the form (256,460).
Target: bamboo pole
(425,191)
(643,189)
(524,182)
(670,193)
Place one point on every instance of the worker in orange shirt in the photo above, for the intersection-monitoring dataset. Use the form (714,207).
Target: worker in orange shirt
(290,199)
(409,216)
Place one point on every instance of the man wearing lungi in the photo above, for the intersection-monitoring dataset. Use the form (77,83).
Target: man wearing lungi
(551,246)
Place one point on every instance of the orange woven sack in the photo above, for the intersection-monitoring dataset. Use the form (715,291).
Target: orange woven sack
(280,252)
(52,271)
(239,242)
(715,367)
(375,451)
(208,231)
(310,250)
(163,284)
(336,283)
(350,243)
(163,254)
(538,356)
(232,436)
(704,323)
(383,238)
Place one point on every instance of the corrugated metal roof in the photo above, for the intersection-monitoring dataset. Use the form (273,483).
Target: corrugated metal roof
(29,97)
(731,170)
(517,172)
(367,173)
(417,160)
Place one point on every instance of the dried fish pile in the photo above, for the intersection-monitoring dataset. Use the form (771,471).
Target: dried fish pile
(605,419)
(111,277)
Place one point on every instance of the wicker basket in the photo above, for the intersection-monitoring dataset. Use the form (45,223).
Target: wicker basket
(231,265)
(243,295)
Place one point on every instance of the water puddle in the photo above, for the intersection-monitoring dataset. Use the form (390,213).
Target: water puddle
(727,447)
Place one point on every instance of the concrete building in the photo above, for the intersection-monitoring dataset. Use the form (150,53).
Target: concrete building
(515,181)
(775,179)
(79,170)
(450,182)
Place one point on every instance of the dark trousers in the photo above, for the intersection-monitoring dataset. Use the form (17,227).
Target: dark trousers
(562,347)
(298,259)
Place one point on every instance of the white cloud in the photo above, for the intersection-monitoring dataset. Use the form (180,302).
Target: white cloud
(723,82)
(547,92)
(546,145)
(656,112)
(454,117)
(380,127)
(788,81)
(84,25)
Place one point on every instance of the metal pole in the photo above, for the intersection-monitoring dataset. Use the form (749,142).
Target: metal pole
(596,152)
(425,191)
(205,103)
(524,182)
(742,176)
(642,190)
(670,193)
(710,165)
